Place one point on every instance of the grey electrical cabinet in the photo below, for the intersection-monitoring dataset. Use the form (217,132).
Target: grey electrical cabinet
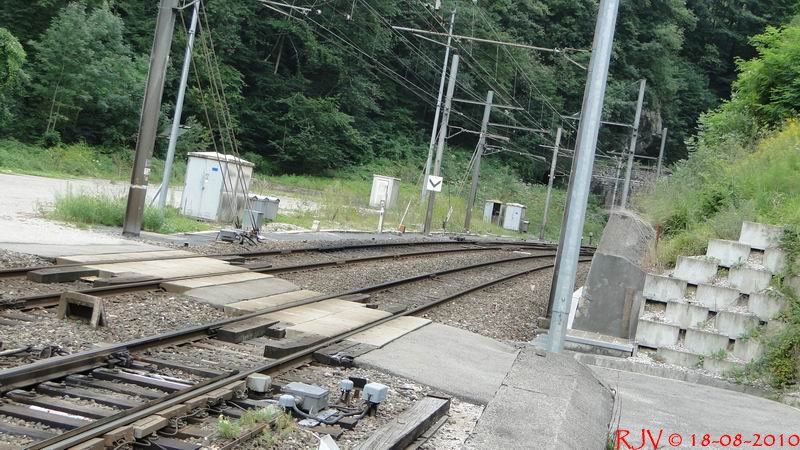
(215,186)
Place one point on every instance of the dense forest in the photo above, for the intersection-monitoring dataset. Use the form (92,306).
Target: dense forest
(337,86)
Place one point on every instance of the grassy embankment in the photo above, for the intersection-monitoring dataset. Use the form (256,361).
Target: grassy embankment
(341,199)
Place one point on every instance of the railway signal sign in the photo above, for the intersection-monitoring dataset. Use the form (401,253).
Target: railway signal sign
(434,183)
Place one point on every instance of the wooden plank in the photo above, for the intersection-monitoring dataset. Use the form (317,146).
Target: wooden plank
(121,434)
(245,330)
(41,401)
(43,417)
(405,428)
(192,369)
(120,257)
(149,425)
(120,388)
(33,433)
(61,274)
(85,394)
(174,411)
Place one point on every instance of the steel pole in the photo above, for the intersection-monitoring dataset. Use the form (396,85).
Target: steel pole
(148,121)
(578,195)
(550,181)
(438,105)
(476,168)
(632,150)
(437,165)
(661,153)
(616,183)
(176,121)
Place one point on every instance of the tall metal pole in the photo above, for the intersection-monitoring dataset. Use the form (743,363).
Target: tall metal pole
(176,121)
(632,150)
(148,122)
(476,168)
(661,153)
(438,105)
(616,183)
(437,166)
(550,183)
(578,195)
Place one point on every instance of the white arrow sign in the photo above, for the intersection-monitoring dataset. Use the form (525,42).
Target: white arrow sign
(434,183)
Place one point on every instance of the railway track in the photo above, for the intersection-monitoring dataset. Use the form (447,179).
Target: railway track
(50,300)
(129,388)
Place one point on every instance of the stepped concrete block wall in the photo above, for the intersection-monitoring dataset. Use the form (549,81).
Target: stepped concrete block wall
(664,289)
(749,280)
(656,334)
(775,259)
(734,324)
(729,253)
(766,306)
(716,297)
(686,315)
(704,342)
(695,270)
(719,365)
(760,236)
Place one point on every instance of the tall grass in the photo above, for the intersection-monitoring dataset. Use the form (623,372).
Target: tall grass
(85,210)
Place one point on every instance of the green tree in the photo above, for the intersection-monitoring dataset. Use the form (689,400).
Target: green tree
(12,58)
(86,81)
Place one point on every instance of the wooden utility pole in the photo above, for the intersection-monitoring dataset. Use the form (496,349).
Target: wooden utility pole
(550,183)
(437,166)
(148,121)
(476,167)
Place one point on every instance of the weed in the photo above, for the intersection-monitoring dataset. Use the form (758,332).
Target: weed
(719,355)
(256,416)
(228,429)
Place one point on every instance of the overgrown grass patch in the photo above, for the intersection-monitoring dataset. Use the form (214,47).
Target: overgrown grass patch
(84,210)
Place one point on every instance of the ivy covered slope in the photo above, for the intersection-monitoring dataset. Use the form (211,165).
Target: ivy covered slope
(338,88)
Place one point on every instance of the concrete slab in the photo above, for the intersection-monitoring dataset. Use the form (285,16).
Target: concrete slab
(775,260)
(696,270)
(766,306)
(760,236)
(705,343)
(315,311)
(339,322)
(389,331)
(716,297)
(734,324)
(181,286)
(122,257)
(272,301)
(548,401)
(169,269)
(686,315)
(729,253)
(657,334)
(678,357)
(747,350)
(454,361)
(664,289)
(749,280)
(654,403)
(230,293)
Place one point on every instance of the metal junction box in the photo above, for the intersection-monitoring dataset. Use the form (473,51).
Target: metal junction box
(386,189)
(515,215)
(313,399)
(215,186)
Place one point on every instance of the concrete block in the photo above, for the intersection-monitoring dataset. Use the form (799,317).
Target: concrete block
(705,343)
(61,274)
(716,297)
(657,334)
(678,357)
(627,236)
(775,327)
(181,286)
(760,236)
(696,270)
(734,324)
(123,257)
(766,306)
(749,280)
(747,350)
(657,287)
(75,305)
(729,253)
(794,284)
(231,293)
(775,260)
(720,366)
(245,330)
(273,301)
(612,297)
(685,315)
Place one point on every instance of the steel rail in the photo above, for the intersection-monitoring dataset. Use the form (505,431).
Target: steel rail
(50,300)
(102,426)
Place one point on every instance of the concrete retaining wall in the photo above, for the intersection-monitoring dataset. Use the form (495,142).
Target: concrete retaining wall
(766,306)
(664,289)
(686,315)
(657,334)
(775,259)
(760,236)
(735,325)
(678,358)
(705,343)
(749,280)
(747,350)
(716,297)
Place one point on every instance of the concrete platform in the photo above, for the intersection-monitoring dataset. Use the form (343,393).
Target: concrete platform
(547,401)
(448,359)
(679,407)
(224,294)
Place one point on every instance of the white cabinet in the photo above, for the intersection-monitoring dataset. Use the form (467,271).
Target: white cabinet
(215,186)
